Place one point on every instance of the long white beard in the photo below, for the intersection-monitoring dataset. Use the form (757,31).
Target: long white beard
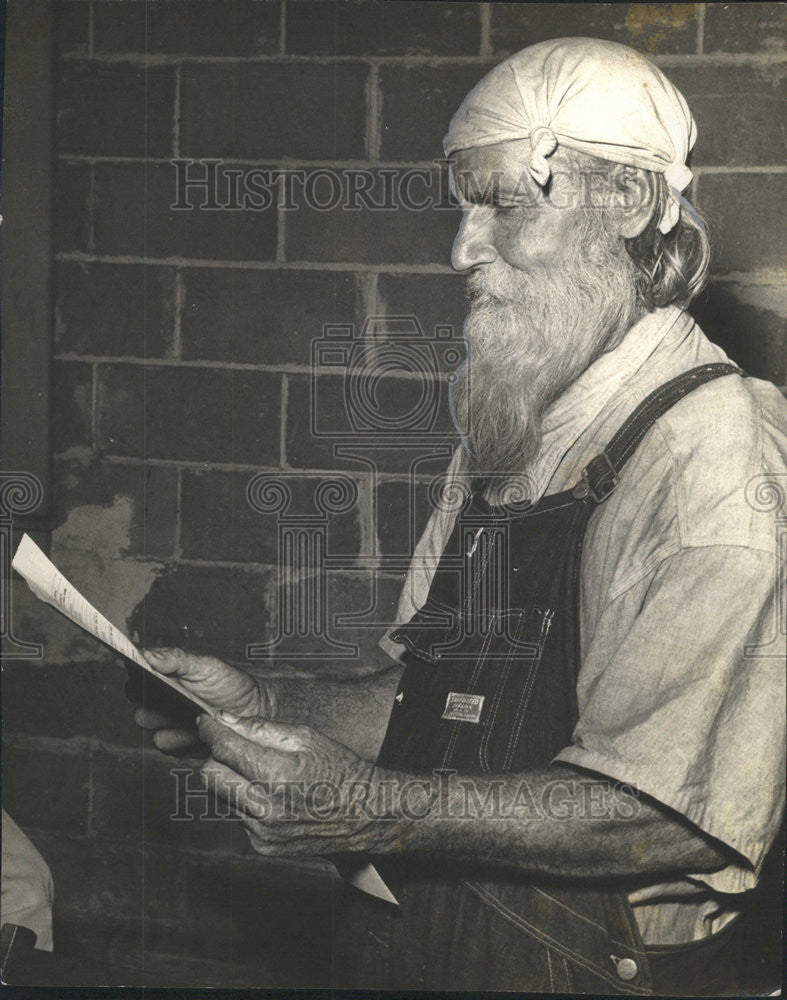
(529,336)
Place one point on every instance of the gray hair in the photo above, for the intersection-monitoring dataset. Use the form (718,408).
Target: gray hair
(672,267)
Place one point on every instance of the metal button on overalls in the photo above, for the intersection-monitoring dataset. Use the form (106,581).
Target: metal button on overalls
(626,967)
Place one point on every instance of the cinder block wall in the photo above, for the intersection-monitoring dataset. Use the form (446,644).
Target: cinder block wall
(182,353)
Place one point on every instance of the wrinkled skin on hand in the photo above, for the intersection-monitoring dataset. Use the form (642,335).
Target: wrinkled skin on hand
(215,682)
(297,792)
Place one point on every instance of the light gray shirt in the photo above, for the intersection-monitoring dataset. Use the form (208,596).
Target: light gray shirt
(681,690)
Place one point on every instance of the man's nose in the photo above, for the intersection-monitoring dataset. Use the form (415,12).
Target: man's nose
(472,245)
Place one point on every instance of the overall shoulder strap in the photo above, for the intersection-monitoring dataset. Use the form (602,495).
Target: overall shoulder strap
(600,475)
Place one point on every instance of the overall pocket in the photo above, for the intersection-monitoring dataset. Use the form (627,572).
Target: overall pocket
(470,683)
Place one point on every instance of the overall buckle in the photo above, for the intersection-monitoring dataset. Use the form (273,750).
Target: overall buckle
(599,478)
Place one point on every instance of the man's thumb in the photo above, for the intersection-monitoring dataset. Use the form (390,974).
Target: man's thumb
(273,735)
(166,661)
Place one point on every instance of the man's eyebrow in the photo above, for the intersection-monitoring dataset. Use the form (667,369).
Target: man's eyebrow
(491,188)
(478,191)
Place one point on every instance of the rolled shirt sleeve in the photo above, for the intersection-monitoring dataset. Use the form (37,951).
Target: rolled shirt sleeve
(688,706)
(27,889)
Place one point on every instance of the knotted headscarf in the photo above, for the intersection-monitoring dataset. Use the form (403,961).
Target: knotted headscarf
(587,94)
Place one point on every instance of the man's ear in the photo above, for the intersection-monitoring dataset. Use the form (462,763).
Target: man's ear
(635,200)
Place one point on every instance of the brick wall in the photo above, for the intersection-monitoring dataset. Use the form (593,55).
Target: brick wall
(182,367)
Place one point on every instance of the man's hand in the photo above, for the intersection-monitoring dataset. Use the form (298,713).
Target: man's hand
(215,682)
(297,791)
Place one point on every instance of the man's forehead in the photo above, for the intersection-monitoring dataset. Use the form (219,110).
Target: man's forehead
(504,169)
(511,155)
(504,163)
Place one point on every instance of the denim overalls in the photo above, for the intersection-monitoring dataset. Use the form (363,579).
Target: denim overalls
(489,687)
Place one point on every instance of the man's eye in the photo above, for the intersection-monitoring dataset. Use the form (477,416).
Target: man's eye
(504,208)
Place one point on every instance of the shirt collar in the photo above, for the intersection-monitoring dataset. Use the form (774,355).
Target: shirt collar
(582,403)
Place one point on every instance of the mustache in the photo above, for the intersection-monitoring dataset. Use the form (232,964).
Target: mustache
(499,283)
(480,286)
(483,281)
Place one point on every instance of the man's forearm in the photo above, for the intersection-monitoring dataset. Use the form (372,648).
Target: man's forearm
(353,710)
(550,822)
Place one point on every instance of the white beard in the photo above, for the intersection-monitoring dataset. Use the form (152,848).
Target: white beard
(529,336)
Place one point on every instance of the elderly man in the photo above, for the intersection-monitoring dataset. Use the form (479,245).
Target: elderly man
(572,772)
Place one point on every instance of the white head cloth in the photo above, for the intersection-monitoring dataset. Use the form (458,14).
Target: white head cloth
(591,95)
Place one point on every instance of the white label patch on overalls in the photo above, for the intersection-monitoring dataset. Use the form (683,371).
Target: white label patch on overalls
(463,707)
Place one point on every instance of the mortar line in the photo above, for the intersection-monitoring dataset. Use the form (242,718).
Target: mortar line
(296,265)
(90,791)
(177,333)
(285,396)
(700,29)
(340,165)
(775,168)
(192,466)
(176,122)
(368,295)
(91,211)
(91,29)
(372,543)
(77,745)
(371,307)
(283,27)
(368,556)
(365,571)
(281,220)
(282,167)
(258,265)
(485,16)
(382,478)
(290,368)
(160,59)
(94,407)
(373,109)
(177,547)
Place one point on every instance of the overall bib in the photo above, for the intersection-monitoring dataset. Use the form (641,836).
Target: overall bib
(489,687)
